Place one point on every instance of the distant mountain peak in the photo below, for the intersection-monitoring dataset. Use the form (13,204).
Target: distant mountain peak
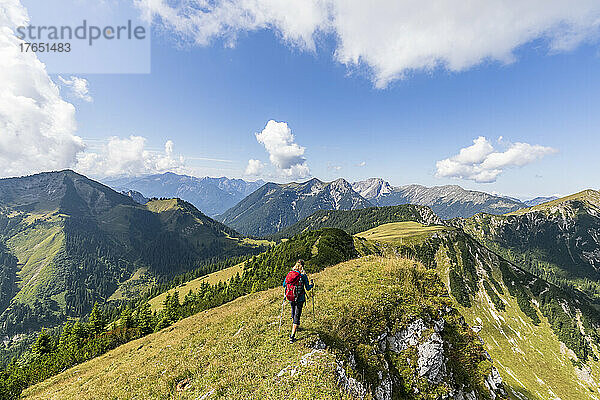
(210,195)
(276,206)
(372,188)
(447,201)
(136,196)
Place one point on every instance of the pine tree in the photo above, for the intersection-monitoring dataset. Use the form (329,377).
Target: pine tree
(44,344)
(172,308)
(145,319)
(96,321)
(127,318)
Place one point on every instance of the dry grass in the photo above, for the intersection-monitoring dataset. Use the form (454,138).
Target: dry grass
(236,350)
(401,233)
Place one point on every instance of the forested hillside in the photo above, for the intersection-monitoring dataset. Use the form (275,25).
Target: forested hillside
(558,241)
(354,221)
(68,242)
(75,343)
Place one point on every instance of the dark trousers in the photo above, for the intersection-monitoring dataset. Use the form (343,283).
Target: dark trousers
(296,311)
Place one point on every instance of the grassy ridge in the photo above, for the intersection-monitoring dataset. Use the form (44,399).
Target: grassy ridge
(236,351)
(588,195)
(400,233)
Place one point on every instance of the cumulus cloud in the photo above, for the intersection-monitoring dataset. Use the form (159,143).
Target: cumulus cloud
(391,37)
(361,164)
(481,162)
(79,87)
(130,157)
(284,153)
(37,127)
(254,168)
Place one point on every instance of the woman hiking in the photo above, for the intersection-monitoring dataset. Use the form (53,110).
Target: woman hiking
(296,283)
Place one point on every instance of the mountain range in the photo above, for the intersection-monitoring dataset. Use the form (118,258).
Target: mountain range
(427,312)
(277,206)
(447,202)
(67,242)
(236,202)
(212,196)
(512,296)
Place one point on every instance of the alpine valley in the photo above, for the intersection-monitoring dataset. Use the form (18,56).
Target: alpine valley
(67,242)
(487,298)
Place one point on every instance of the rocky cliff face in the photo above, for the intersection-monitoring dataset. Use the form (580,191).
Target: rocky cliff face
(424,348)
(524,320)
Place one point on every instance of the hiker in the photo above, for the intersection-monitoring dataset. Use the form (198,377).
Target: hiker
(295,284)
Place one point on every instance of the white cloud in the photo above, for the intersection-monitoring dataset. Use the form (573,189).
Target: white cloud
(285,155)
(480,162)
(130,157)
(391,37)
(37,127)
(254,168)
(361,164)
(79,87)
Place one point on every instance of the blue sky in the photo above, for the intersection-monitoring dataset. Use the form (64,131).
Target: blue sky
(210,102)
(211,99)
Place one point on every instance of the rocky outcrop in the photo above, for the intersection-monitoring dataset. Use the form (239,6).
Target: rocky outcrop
(424,339)
(431,362)
(348,384)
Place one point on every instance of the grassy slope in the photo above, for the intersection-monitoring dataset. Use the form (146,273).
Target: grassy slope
(588,195)
(236,350)
(35,248)
(400,232)
(530,358)
(156,303)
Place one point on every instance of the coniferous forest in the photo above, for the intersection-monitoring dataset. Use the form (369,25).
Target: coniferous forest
(106,328)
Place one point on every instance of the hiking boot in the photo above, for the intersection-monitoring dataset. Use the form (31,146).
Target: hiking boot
(292,339)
